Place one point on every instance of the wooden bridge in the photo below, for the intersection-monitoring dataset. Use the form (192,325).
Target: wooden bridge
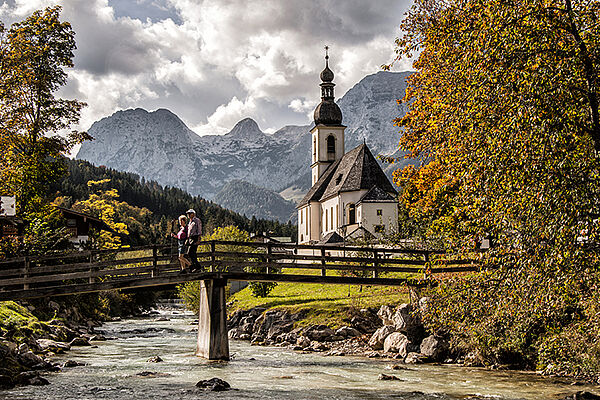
(220,262)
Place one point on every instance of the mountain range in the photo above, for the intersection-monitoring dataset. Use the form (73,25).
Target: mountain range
(159,146)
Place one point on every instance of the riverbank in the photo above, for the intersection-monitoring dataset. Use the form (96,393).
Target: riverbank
(119,369)
(27,344)
(395,331)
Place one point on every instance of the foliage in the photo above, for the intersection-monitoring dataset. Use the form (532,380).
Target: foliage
(165,203)
(119,216)
(503,114)
(34,54)
(17,323)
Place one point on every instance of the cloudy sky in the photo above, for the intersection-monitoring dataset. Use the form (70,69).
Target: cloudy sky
(214,62)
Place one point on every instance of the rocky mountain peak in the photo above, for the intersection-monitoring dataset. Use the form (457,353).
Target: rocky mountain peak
(246,129)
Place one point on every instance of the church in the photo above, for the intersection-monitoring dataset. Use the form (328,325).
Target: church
(350,196)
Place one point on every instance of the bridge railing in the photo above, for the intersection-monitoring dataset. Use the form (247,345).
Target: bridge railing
(94,270)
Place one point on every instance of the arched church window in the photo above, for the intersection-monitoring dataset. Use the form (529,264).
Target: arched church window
(351,214)
(330,147)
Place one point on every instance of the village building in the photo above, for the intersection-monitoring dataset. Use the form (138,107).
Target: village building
(350,195)
(79,225)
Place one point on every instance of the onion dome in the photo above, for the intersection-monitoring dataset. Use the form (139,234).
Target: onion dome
(327,74)
(327,112)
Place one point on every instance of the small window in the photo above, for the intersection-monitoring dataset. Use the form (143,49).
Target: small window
(351,214)
(71,222)
(330,144)
(379,213)
(379,228)
(301,238)
(338,180)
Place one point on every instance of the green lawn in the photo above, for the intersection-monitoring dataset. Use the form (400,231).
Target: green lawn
(324,304)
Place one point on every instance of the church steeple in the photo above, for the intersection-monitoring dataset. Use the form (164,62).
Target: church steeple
(327,112)
(328,132)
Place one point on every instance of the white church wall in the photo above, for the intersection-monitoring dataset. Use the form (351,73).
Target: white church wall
(304,224)
(315,221)
(347,198)
(332,206)
(370,219)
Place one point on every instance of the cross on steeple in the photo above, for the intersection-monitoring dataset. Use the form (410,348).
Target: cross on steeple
(326,55)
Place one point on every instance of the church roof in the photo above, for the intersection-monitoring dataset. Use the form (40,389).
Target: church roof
(331,238)
(356,170)
(377,195)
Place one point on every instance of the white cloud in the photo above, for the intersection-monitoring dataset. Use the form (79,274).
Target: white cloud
(214,62)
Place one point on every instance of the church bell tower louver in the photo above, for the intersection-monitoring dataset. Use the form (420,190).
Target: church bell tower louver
(328,132)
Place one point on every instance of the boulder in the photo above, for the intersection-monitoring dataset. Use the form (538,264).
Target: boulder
(581,396)
(53,346)
(347,332)
(289,337)
(72,363)
(30,360)
(415,358)
(384,377)
(6,382)
(434,347)
(320,333)
(364,324)
(397,343)
(386,313)
(79,341)
(155,359)
(408,321)
(7,348)
(30,378)
(303,341)
(213,385)
(61,333)
(376,341)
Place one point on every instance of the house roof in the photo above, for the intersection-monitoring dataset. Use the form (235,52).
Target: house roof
(356,170)
(94,221)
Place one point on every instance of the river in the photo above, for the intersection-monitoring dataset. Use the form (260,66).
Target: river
(261,372)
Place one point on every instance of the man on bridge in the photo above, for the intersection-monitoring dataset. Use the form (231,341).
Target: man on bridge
(194,232)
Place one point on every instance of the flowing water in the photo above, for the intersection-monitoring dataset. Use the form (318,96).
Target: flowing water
(261,372)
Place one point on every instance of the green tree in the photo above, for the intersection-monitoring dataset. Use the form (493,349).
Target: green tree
(503,113)
(34,54)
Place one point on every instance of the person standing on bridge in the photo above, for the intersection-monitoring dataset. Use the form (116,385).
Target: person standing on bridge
(194,232)
(182,248)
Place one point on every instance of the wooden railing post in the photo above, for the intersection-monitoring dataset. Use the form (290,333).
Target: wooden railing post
(91,261)
(269,252)
(323,262)
(155,270)
(26,273)
(212,255)
(426,271)
(375,265)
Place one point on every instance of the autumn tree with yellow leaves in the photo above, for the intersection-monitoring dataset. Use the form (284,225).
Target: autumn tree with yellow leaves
(34,56)
(504,116)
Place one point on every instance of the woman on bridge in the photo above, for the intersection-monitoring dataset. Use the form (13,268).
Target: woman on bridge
(182,248)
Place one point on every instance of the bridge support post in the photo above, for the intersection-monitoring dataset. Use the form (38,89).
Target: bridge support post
(213,342)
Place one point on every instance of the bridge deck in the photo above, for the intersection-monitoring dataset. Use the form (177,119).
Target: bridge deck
(92,271)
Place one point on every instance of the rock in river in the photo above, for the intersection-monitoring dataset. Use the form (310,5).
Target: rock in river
(213,385)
